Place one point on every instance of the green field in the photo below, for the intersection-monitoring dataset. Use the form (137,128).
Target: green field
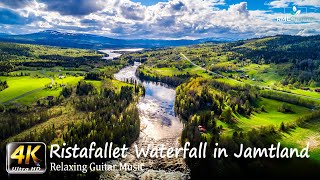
(69,80)
(271,116)
(18,86)
(118,84)
(266,75)
(310,93)
(27,89)
(262,119)
(299,137)
(174,71)
(30,98)
(230,81)
(96,84)
(263,75)
(46,72)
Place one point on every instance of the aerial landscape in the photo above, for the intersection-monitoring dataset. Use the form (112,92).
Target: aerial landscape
(204,88)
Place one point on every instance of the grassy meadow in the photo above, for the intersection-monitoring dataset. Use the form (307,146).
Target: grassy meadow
(308,132)
(20,86)
(272,116)
(28,89)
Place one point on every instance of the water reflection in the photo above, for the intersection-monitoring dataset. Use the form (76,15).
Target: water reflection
(115,53)
(158,126)
(156,111)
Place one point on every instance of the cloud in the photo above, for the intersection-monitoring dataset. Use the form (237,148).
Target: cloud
(133,11)
(90,22)
(240,9)
(185,19)
(73,7)
(174,19)
(15,3)
(177,6)
(8,16)
(308,32)
(166,21)
(286,3)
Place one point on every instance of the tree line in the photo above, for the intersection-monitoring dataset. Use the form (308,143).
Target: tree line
(174,80)
(224,101)
(3,85)
(290,98)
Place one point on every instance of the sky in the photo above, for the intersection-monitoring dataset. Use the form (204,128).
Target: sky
(163,19)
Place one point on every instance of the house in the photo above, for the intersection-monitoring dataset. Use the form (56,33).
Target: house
(60,76)
(50,98)
(305,88)
(202,129)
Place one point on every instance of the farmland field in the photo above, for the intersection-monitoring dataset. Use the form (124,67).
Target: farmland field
(21,85)
(30,98)
(272,116)
(47,93)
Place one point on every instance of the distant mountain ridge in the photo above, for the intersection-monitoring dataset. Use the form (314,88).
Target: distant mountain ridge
(90,41)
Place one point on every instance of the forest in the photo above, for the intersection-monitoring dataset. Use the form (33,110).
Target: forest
(174,80)
(13,55)
(261,91)
(301,52)
(213,111)
(253,92)
(73,99)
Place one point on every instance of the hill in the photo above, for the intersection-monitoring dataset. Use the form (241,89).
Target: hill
(89,41)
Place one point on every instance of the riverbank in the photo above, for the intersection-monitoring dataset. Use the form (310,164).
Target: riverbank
(158,126)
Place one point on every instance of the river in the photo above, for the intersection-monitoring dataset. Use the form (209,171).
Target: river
(158,126)
(115,53)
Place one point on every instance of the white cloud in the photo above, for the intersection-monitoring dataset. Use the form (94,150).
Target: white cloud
(173,19)
(308,32)
(240,9)
(286,3)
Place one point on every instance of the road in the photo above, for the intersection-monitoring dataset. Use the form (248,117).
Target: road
(260,86)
